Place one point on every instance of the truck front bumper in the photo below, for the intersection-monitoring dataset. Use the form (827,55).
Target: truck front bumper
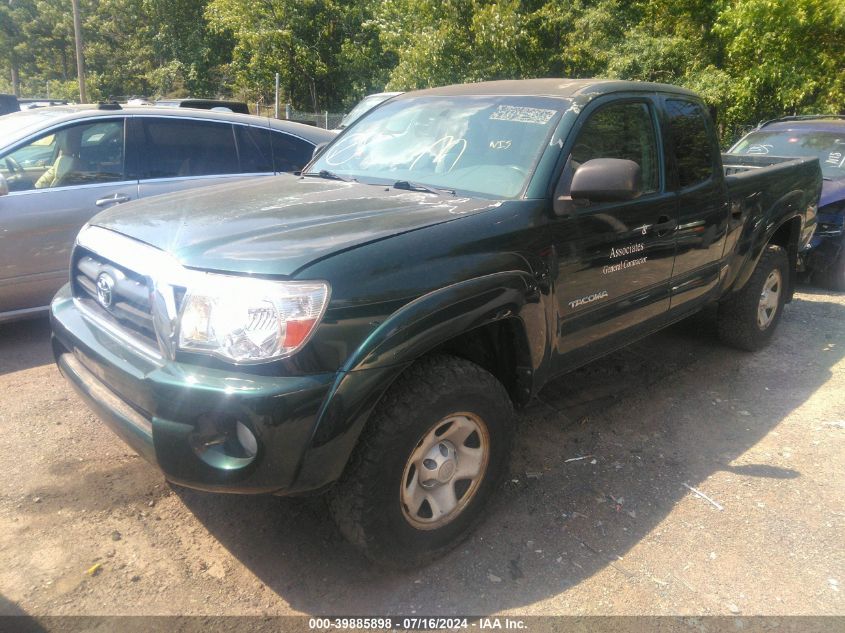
(185,418)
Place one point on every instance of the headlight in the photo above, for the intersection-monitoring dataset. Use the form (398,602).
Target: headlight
(247,320)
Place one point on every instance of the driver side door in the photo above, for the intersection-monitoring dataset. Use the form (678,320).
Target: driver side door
(617,256)
(57,181)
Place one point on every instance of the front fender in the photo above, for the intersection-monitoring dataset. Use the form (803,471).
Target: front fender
(415,329)
(436,317)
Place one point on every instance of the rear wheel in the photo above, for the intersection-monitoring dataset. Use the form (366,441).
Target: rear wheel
(748,318)
(427,464)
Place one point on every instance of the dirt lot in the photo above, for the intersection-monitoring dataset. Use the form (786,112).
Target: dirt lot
(762,435)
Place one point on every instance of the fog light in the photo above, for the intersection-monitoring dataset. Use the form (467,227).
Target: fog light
(224,442)
(248,441)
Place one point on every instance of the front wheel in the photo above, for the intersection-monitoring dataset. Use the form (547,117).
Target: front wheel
(748,318)
(427,464)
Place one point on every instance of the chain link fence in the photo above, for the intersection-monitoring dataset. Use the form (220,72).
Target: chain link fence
(326,120)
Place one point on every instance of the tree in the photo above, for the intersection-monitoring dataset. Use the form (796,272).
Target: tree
(14,52)
(310,43)
(783,57)
(187,54)
(752,59)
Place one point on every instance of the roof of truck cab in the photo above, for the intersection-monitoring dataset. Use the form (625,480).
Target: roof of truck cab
(560,88)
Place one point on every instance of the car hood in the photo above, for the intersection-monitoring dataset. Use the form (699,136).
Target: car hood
(277,225)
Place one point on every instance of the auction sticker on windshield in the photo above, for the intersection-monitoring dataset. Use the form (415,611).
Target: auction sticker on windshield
(522,114)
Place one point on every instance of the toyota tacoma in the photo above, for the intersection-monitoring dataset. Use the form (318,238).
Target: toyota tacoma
(367,328)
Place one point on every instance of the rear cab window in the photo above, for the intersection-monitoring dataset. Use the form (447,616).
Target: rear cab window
(695,154)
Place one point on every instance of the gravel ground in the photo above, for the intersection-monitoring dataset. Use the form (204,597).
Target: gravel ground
(87,527)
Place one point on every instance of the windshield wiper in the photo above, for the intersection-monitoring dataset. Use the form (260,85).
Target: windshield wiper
(330,175)
(418,186)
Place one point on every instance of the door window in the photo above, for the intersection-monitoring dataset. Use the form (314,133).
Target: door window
(82,154)
(622,130)
(694,150)
(290,153)
(254,150)
(175,148)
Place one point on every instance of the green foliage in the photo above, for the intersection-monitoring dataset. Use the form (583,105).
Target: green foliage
(189,58)
(132,47)
(322,49)
(784,57)
(751,59)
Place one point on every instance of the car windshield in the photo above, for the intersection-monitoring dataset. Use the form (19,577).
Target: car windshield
(828,147)
(484,145)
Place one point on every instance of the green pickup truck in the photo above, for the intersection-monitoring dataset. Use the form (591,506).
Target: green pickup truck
(367,328)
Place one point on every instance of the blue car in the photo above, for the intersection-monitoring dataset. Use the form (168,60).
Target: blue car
(822,136)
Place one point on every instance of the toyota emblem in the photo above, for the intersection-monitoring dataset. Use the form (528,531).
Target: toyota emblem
(105,290)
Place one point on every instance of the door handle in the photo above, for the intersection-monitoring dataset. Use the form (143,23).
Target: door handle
(115,199)
(664,226)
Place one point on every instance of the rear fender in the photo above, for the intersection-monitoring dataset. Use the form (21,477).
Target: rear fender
(783,219)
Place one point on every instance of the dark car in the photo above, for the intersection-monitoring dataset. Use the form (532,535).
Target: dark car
(822,136)
(61,165)
(9,104)
(220,105)
(366,329)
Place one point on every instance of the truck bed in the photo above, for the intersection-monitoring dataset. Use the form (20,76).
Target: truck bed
(739,163)
(762,192)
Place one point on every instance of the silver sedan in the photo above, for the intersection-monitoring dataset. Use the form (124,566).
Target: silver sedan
(60,166)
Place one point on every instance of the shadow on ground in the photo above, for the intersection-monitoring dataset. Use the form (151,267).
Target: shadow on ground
(26,344)
(669,410)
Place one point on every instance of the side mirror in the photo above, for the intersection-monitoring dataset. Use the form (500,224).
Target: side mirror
(606,180)
(4,186)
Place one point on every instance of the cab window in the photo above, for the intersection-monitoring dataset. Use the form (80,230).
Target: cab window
(621,130)
(694,151)
(81,154)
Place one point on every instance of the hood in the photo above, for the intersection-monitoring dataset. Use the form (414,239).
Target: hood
(276,225)
(832,191)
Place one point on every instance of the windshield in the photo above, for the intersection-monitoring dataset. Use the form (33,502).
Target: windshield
(13,126)
(828,147)
(481,145)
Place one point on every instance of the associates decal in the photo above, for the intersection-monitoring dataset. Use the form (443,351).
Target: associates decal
(624,251)
(639,247)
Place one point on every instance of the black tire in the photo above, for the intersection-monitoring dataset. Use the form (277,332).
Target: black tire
(367,501)
(737,318)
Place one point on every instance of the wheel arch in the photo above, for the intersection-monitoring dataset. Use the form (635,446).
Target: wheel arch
(496,321)
(787,236)
(784,230)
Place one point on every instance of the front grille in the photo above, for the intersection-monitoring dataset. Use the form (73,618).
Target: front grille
(129,307)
